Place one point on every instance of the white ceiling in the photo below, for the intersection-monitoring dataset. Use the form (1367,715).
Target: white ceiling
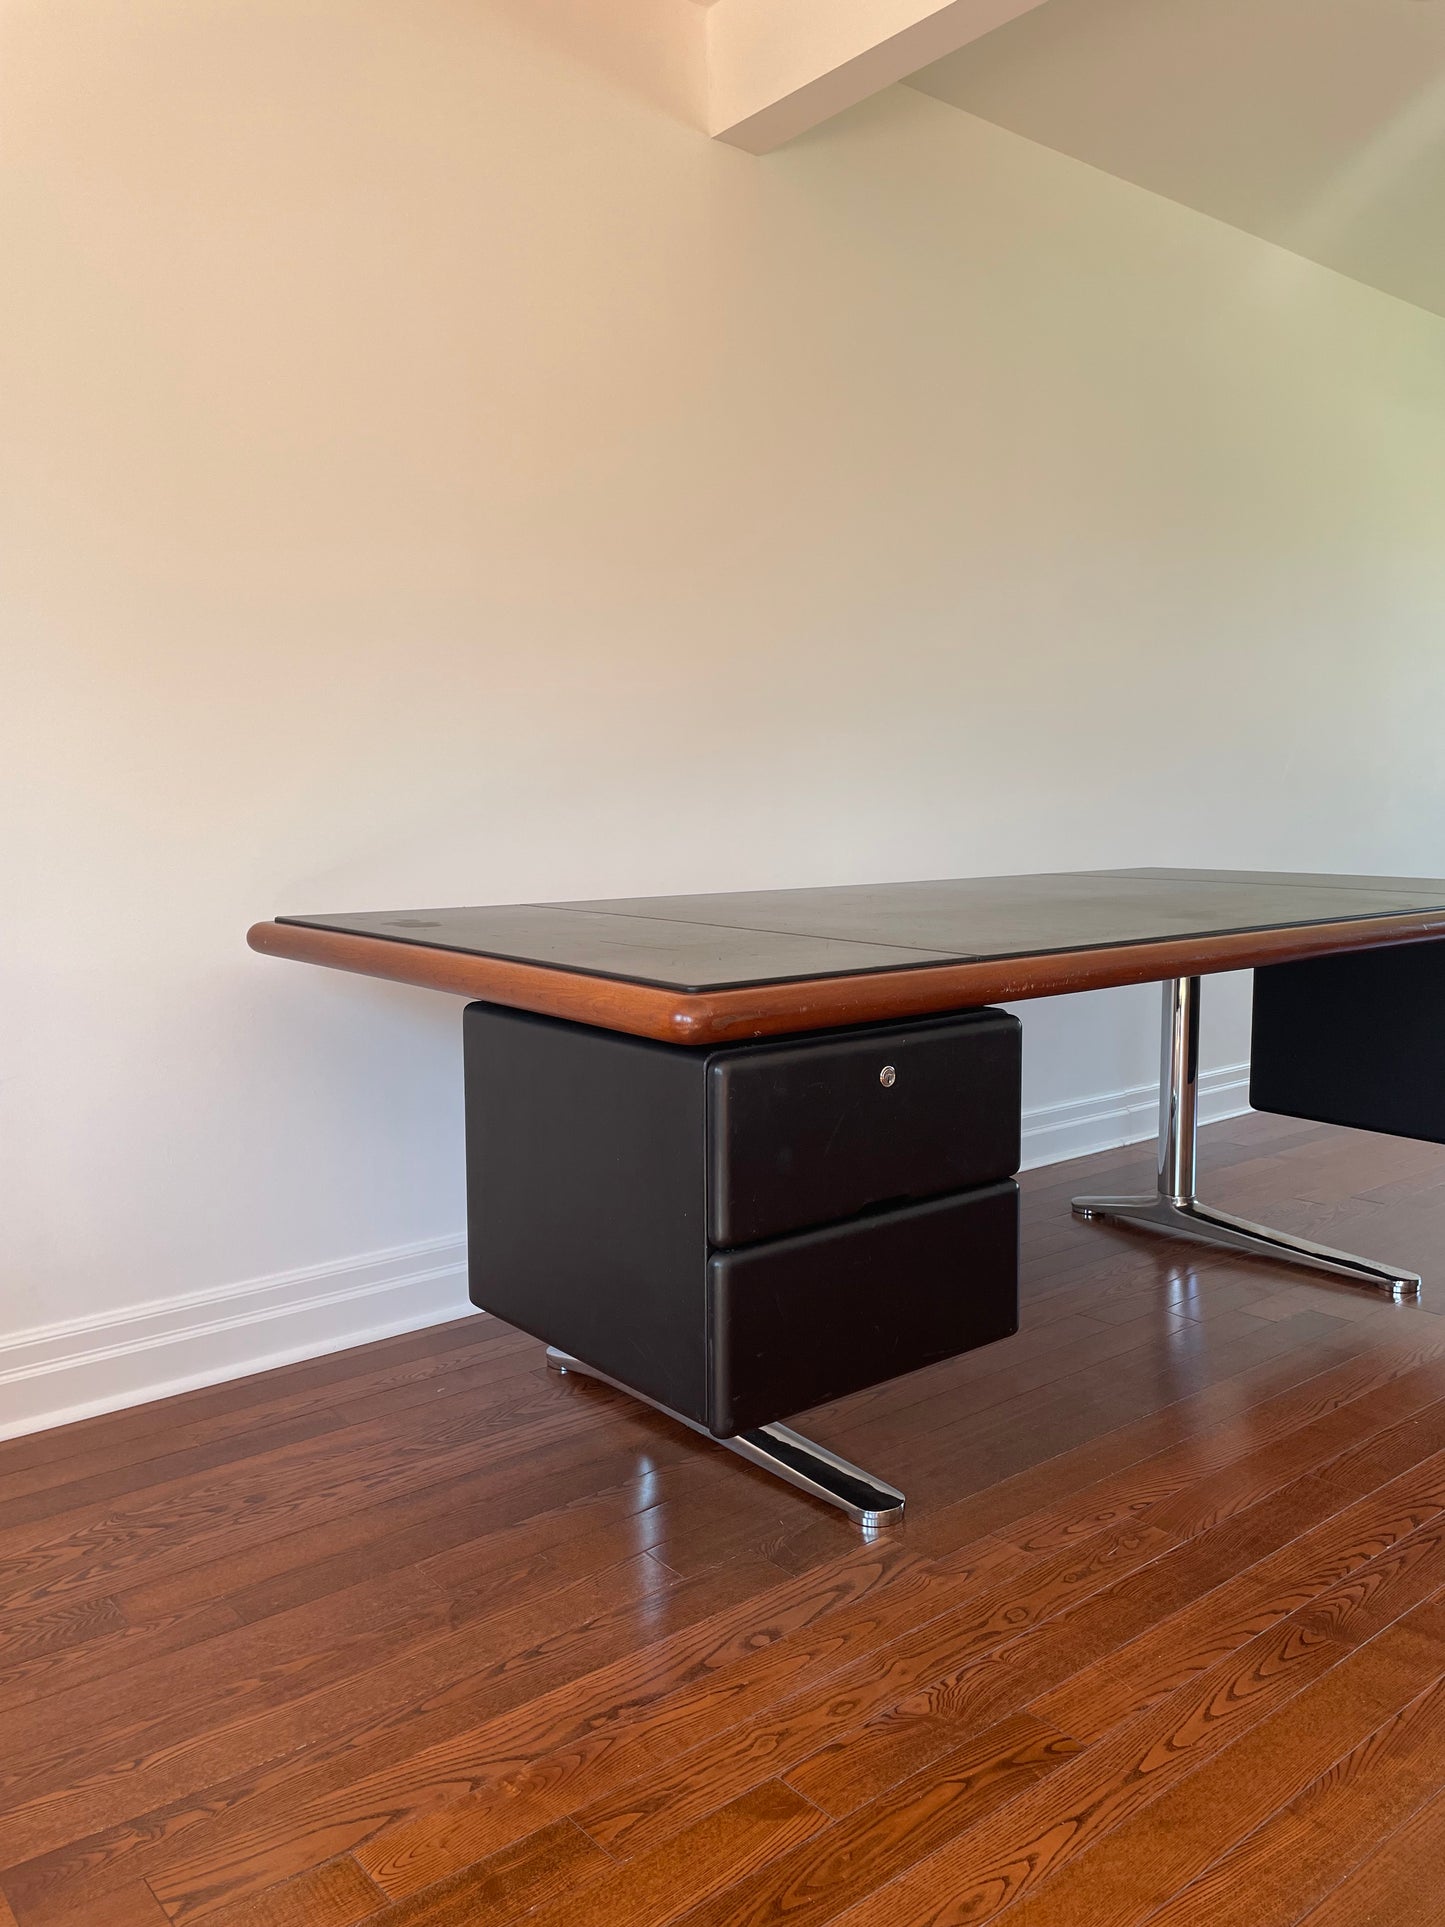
(1319,124)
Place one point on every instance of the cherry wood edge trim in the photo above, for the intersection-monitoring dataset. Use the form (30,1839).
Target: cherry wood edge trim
(824,1003)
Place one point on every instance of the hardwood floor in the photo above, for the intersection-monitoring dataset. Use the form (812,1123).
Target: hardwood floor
(421,1634)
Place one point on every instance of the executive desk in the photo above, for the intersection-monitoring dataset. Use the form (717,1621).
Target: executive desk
(739,1154)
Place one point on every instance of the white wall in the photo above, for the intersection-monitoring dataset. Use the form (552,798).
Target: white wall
(429,473)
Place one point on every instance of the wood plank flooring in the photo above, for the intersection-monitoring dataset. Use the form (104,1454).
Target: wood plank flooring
(421,1634)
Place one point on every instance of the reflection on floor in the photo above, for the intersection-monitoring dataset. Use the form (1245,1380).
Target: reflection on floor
(421,1634)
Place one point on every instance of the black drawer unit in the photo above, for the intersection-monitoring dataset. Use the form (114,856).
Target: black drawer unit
(1355,1039)
(740,1233)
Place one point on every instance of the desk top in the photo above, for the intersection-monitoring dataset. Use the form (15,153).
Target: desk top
(714,969)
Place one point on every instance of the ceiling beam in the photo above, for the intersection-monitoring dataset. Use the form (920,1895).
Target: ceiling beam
(777,67)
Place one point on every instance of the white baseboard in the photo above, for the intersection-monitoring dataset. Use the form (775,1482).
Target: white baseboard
(1054,1132)
(79,1367)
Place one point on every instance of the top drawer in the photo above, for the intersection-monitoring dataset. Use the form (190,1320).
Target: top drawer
(809,1133)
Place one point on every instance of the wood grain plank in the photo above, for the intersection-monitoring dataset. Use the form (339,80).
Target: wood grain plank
(647,1808)
(39,1636)
(1397,1887)
(710,1857)
(41,1674)
(193,1514)
(116,1481)
(290,1812)
(927,1688)
(863,1757)
(810,1883)
(1302,1852)
(933,1687)
(1212,1478)
(133,1905)
(397,1671)
(527,1874)
(1121,1879)
(1010,1857)
(285,1391)
(949,1455)
(1148,1668)
(1211,1418)
(618,1474)
(349,1399)
(424,1851)
(75,1738)
(337,1894)
(454,1751)
(1149,1492)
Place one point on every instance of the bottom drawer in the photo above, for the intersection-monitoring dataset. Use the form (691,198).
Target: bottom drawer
(802,1320)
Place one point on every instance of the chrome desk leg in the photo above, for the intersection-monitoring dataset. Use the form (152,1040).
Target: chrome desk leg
(784,1453)
(1177,1212)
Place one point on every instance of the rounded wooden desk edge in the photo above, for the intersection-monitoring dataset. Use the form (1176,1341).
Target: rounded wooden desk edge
(824,1003)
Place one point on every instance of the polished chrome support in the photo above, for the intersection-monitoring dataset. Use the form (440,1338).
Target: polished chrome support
(784,1453)
(1177,1212)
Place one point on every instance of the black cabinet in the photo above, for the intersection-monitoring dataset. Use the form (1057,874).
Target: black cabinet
(744,1232)
(1355,1039)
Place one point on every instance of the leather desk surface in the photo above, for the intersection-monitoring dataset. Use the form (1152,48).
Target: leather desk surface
(720,968)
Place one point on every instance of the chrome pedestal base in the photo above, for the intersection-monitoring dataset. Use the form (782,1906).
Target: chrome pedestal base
(785,1453)
(1188,1218)
(1175,1210)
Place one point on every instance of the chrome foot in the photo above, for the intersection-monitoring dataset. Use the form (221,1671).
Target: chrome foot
(1188,1218)
(813,1469)
(1174,1209)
